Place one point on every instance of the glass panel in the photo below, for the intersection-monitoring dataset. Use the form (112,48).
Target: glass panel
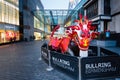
(92,10)
(9,13)
(14,2)
(0,11)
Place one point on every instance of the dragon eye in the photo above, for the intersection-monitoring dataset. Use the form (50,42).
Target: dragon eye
(82,34)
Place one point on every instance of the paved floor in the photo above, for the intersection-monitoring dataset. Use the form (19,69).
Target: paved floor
(19,61)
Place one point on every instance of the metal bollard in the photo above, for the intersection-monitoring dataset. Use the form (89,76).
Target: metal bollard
(79,68)
(40,58)
(49,63)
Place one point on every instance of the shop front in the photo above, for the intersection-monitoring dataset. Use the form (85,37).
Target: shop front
(37,36)
(8,33)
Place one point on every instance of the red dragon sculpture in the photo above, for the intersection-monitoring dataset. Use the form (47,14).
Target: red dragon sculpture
(80,34)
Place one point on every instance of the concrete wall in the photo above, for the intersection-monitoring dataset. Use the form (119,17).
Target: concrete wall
(115,6)
(115,24)
(28,20)
(115,12)
(28,17)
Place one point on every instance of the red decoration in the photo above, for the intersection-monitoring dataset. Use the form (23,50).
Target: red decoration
(81,34)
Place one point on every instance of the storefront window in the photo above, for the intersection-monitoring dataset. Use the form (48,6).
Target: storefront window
(37,36)
(9,18)
(38,24)
(11,35)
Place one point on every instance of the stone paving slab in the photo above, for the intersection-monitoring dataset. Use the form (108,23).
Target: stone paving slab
(19,61)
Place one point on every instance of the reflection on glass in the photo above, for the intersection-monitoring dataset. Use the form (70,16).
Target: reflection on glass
(9,12)
(9,19)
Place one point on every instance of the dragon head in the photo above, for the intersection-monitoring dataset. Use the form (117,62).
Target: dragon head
(81,33)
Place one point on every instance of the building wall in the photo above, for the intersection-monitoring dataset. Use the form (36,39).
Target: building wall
(27,20)
(28,24)
(115,6)
(99,12)
(115,24)
(115,13)
(9,21)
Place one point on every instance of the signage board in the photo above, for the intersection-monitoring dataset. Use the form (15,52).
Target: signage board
(45,54)
(100,67)
(65,63)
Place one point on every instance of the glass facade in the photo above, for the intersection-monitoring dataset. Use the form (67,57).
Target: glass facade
(9,21)
(39,25)
(74,13)
(92,10)
(9,13)
(107,7)
(50,18)
(37,36)
(28,16)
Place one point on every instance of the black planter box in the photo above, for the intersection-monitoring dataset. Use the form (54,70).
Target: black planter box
(83,68)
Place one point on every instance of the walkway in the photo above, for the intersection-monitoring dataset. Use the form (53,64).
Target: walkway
(19,61)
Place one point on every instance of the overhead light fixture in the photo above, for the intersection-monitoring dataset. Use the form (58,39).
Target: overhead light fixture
(71,1)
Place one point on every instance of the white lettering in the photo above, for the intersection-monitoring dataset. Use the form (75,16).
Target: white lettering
(98,65)
(62,63)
